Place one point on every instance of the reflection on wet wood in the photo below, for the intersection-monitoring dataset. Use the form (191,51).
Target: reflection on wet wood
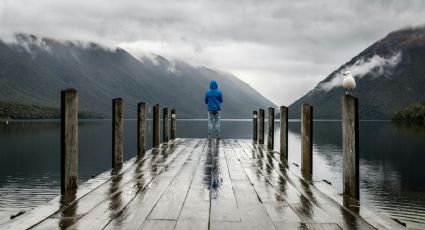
(196,184)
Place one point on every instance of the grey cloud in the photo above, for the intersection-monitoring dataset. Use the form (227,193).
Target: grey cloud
(375,66)
(282,48)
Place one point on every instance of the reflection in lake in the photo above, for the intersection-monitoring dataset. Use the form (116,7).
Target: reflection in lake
(391,160)
(414,129)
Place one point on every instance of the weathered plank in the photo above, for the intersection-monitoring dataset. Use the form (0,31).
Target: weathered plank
(196,208)
(309,203)
(173,124)
(171,202)
(198,184)
(223,200)
(156,126)
(261,126)
(165,129)
(101,205)
(255,126)
(350,146)
(69,140)
(141,128)
(252,212)
(146,199)
(284,132)
(270,138)
(307,139)
(117,133)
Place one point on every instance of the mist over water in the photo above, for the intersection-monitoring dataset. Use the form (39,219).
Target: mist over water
(391,160)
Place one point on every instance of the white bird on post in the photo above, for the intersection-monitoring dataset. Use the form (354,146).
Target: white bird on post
(349,83)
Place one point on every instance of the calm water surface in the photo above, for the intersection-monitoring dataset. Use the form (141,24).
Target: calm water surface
(391,160)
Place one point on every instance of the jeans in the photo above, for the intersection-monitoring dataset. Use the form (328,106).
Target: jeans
(213,123)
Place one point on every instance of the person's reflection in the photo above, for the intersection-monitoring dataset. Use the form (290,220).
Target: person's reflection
(212,180)
(68,215)
(216,179)
(208,166)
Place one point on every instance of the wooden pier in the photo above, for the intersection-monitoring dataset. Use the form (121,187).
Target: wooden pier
(204,184)
(200,184)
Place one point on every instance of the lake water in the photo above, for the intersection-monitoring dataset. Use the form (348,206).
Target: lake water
(391,160)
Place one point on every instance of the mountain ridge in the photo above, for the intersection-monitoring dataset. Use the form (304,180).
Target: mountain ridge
(392,77)
(33,70)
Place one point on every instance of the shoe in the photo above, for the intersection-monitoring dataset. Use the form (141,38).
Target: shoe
(218,138)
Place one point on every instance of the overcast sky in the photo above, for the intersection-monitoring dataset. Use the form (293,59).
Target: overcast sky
(281,48)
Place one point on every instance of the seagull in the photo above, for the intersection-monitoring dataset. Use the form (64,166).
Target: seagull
(349,83)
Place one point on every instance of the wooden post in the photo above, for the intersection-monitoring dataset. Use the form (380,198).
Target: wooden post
(350,146)
(307,139)
(156,127)
(270,139)
(165,130)
(117,132)
(69,140)
(284,132)
(173,124)
(141,128)
(254,126)
(261,127)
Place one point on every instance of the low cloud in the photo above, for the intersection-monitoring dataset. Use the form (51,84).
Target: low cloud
(375,66)
(282,48)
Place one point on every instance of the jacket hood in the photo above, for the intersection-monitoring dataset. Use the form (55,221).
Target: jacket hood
(213,85)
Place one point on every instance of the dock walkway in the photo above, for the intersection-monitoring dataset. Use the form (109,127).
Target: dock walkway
(196,184)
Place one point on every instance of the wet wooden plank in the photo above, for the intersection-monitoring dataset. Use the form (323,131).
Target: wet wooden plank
(159,225)
(229,225)
(41,213)
(223,200)
(99,206)
(200,184)
(143,203)
(303,226)
(309,203)
(120,194)
(170,204)
(302,205)
(301,199)
(192,224)
(251,210)
(196,208)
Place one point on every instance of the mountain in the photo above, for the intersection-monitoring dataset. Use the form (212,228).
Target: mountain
(390,75)
(33,70)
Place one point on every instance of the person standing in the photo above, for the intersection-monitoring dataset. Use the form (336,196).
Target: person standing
(213,98)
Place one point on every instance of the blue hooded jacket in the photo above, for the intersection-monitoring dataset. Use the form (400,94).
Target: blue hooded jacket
(213,97)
